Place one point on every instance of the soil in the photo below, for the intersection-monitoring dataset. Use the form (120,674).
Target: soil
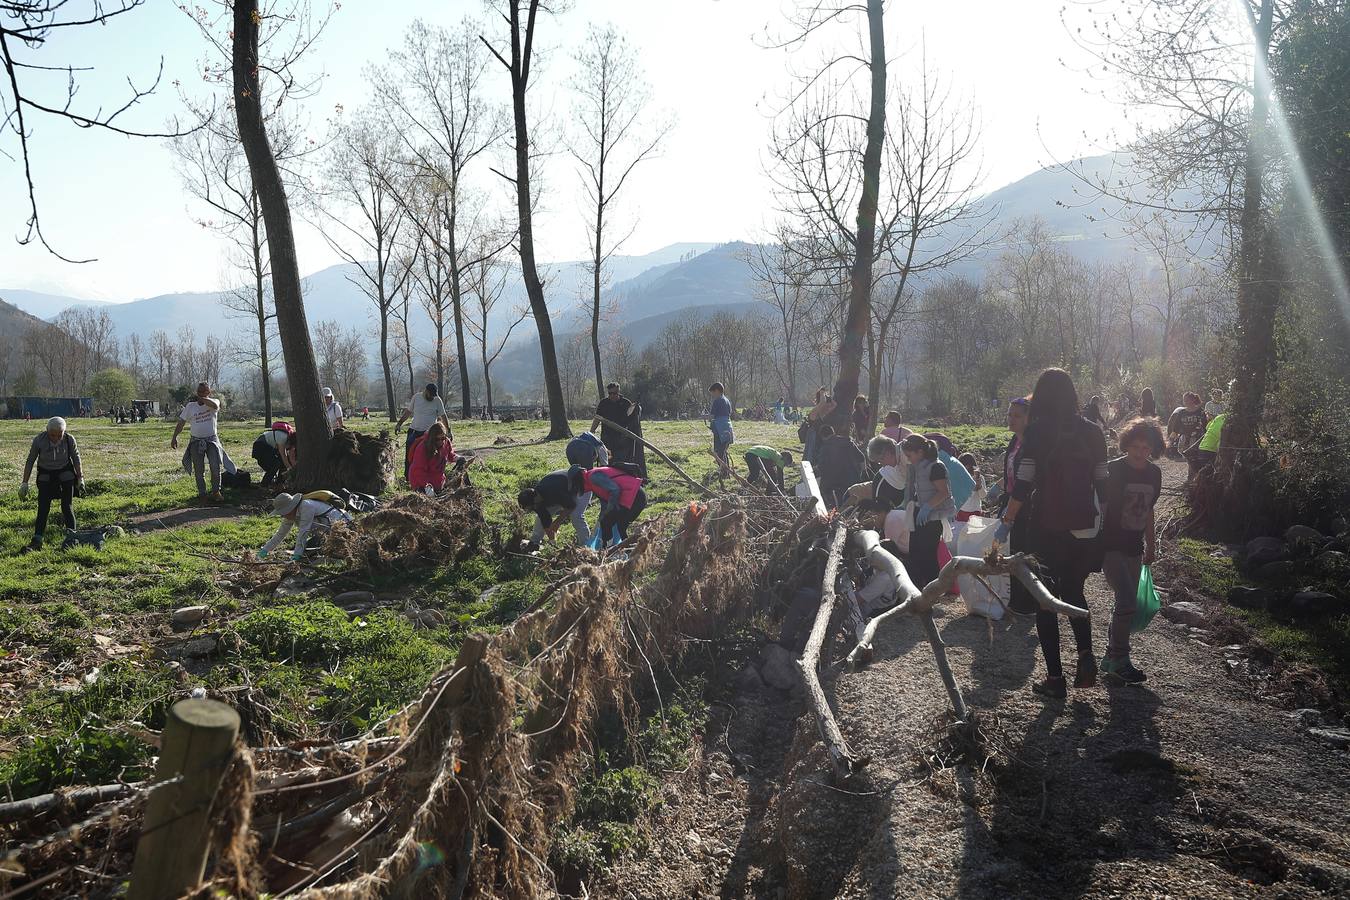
(191,515)
(1188,785)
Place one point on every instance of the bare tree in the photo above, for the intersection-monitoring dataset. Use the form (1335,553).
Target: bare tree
(783,282)
(363,165)
(485,282)
(521,17)
(434,97)
(313,433)
(29,25)
(213,168)
(341,359)
(613,141)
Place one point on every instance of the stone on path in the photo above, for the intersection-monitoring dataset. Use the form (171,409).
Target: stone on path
(1184,612)
(189,615)
(779,667)
(1249,597)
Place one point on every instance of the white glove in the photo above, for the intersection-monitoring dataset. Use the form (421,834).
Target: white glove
(23,491)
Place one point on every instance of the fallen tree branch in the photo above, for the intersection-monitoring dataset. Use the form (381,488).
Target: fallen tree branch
(657,450)
(920,602)
(845,763)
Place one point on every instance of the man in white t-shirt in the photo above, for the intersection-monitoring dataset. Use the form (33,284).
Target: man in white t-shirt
(426,409)
(332,409)
(199,414)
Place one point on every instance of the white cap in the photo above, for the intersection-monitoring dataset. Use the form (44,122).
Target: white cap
(56,423)
(328,392)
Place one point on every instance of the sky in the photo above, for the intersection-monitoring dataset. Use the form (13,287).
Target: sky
(710,70)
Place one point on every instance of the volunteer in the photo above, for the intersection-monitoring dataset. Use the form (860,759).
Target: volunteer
(201,414)
(426,408)
(309,514)
(59,476)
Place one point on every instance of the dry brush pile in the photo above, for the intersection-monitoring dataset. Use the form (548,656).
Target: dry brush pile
(462,792)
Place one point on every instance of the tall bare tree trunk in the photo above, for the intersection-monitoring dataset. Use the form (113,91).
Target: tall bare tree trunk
(858,319)
(302,374)
(520,80)
(260,297)
(596,263)
(1258,291)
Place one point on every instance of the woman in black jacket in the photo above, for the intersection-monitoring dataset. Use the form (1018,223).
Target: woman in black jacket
(1061,469)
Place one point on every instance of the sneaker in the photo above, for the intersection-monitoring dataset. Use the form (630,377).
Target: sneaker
(1085,674)
(1122,670)
(31,546)
(1055,688)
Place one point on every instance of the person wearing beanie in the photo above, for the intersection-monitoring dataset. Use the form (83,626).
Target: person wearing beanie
(297,509)
(59,476)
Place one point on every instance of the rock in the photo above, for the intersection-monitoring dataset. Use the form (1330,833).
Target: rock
(693,841)
(1307,718)
(113,532)
(430,618)
(1276,571)
(188,616)
(1305,605)
(354,598)
(1249,597)
(1262,550)
(779,667)
(1303,534)
(1332,561)
(1336,737)
(1184,612)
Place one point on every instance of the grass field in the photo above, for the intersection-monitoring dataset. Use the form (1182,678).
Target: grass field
(83,670)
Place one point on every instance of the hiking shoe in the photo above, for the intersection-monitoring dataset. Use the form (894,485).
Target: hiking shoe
(1085,674)
(1054,688)
(1123,670)
(217,497)
(34,544)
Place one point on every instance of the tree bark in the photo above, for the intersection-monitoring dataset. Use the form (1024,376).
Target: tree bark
(297,349)
(1258,291)
(456,303)
(595,272)
(520,80)
(858,320)
(260,297)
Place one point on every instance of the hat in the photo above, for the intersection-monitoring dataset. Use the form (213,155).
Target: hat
(284,504)
(56,422)
(328,392)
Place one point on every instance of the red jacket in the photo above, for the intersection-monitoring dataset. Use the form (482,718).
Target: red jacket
(424,470)
(628,484)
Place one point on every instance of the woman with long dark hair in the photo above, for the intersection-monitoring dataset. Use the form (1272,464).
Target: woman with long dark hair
(1061,468)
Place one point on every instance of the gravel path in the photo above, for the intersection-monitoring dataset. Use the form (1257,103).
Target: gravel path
(1186,786)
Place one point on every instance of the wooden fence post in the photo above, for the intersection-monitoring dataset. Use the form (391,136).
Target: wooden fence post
(196,747)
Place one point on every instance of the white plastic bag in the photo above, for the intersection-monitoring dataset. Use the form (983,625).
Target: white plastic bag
(976,540)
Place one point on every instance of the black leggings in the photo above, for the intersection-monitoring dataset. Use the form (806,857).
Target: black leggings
(1064,574)
(622,518)
(51,489)
(922,564)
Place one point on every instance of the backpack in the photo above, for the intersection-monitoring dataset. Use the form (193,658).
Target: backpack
(237,479)
(961,482)
(334,500)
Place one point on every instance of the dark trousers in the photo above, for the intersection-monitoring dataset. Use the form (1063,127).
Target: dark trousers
(922,564)
(268,459)
(621,518)
(50,487)
(407,450)
(755,465)
(1019,598)
(1064,572)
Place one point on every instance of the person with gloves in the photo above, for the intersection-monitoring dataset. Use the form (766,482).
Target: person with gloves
(59,475)
(309,514)
(930,497)
(426,409)
(427,459)
(621,496)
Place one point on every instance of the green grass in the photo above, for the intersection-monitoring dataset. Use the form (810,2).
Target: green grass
(295,666)
(1323,644)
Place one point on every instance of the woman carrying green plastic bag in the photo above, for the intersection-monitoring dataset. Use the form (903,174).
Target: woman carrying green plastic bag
(1133,484)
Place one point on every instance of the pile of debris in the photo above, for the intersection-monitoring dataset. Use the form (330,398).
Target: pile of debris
(413,530)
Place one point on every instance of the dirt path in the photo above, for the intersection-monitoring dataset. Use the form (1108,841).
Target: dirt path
(1184,786)
(191,515)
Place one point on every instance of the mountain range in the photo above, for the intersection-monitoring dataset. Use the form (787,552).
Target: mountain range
(681,280)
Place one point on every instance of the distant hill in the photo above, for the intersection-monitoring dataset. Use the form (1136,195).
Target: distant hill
(14,322)
(678,281)
(43,306)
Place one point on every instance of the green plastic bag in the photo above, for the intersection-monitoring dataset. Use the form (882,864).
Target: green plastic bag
(1147,602)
